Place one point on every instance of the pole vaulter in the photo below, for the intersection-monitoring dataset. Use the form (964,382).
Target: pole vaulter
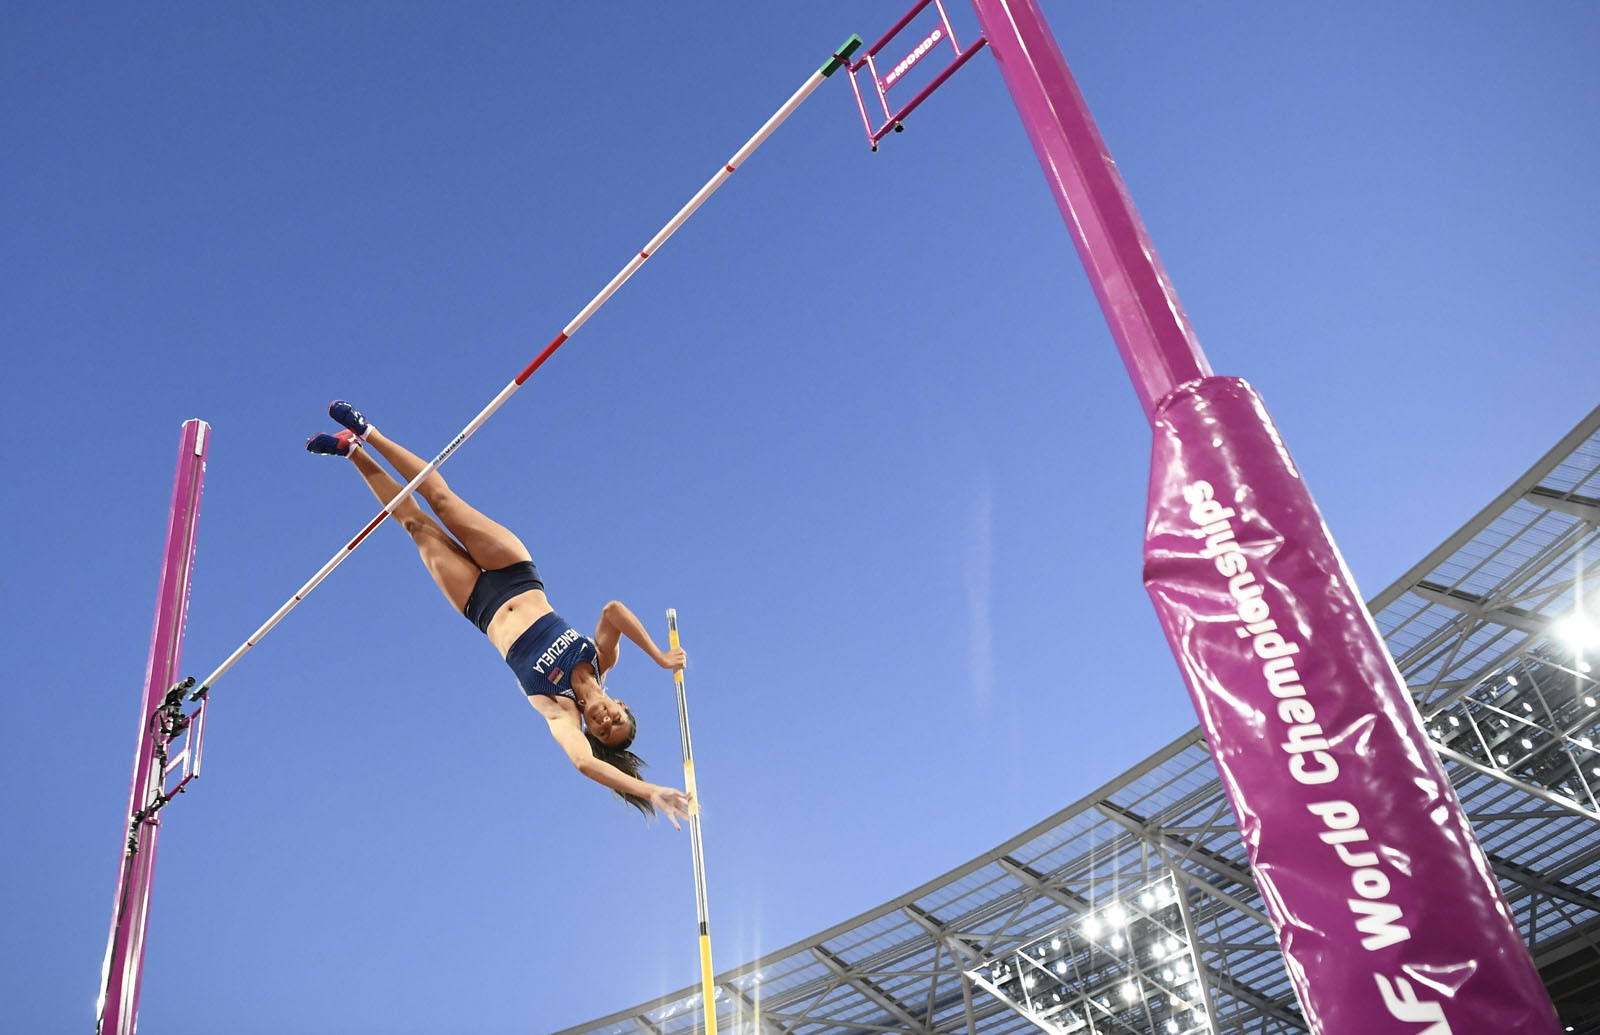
(1385,906)
(837,60)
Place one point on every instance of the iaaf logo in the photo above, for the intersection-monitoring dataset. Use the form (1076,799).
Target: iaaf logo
(1400,998)
(912,58)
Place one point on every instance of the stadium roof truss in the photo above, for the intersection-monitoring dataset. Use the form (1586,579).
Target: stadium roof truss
(1134,911)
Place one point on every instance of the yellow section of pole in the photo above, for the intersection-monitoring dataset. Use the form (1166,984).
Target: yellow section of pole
(707,991)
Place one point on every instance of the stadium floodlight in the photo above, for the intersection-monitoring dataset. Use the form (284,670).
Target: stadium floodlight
(1580,631)
(1130,953)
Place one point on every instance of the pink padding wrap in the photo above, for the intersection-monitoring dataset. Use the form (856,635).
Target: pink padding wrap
(1389,917)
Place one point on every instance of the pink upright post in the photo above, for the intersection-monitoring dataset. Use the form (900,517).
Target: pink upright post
(1385,906)
(119,985)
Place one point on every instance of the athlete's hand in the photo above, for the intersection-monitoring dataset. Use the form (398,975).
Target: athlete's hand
(674,659)
(672,803)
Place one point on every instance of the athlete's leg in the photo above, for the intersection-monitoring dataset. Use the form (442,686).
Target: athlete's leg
(490,544)
(451,567)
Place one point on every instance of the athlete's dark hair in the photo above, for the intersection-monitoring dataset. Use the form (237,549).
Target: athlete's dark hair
(624,760)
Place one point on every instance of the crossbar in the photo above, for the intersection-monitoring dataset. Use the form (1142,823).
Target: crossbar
(836,60)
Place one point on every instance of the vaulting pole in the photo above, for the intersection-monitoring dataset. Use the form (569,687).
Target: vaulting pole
(118,1006)
(833,64)
(1385,905)
(707,991)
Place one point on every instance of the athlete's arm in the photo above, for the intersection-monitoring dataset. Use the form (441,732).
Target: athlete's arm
(616,621)
(670,801)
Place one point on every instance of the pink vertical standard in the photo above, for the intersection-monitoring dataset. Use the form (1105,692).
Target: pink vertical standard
(1388,915)
(119,986)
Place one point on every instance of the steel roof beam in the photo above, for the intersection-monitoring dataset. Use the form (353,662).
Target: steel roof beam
(870,990)
(1584,508)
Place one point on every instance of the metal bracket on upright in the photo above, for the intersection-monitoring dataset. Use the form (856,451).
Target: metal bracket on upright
(894,120)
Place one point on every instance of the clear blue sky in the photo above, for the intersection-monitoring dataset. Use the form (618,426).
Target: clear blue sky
(861,423)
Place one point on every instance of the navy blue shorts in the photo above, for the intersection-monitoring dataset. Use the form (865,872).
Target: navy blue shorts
(495,587)
(544,655)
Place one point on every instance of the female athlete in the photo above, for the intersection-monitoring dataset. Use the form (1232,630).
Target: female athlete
(487,574)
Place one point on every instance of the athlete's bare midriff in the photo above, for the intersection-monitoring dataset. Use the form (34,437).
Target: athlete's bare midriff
(515,617)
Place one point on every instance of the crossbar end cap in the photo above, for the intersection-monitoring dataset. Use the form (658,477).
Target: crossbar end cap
(842,55)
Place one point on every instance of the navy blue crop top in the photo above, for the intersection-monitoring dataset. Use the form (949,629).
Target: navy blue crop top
(495,587)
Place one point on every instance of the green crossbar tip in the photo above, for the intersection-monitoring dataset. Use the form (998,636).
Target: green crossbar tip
(842,55)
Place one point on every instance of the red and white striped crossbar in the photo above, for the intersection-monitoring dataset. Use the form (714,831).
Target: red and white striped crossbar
(728,168)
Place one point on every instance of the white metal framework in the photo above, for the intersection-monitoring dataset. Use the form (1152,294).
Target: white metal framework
(1133,910)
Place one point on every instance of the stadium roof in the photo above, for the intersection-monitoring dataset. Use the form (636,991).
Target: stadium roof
(1481,630)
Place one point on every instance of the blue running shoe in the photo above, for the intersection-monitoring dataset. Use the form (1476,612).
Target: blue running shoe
(331,445)
(346,415)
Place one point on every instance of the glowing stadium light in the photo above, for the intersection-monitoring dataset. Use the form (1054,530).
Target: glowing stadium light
(1454,721)
(1116,941)
(1588,702)
(1527,707)
(1061,967)
(1503,759)
(1148,900)
(1091,928)
(1130,992)
(1183,967)
(1512,680)
(1172,1028)
(1055,943)
(1167,975)
(1583,666)
(1579,630)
